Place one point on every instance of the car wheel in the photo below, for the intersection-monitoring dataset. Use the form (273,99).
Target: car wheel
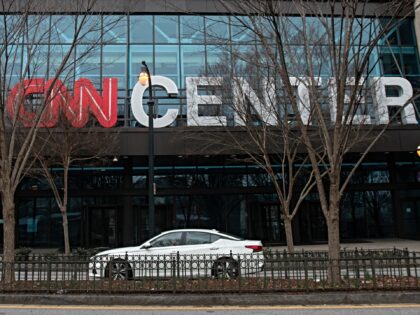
(119,270)
(225,268)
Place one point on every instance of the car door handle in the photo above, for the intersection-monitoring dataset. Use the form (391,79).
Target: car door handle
(214,248)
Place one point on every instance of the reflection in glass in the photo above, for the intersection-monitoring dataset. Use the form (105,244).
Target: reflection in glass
(166,29)
(167,62)
(115,29)
(192,29)
(141,29)
(192,61)
(114,63)
(138,53)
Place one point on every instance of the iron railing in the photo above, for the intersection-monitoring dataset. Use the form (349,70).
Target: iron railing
(302,271)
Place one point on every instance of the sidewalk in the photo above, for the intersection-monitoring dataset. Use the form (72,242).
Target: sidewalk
(245,299)
(387,243)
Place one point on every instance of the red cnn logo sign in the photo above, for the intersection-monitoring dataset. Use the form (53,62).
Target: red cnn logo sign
(76,108)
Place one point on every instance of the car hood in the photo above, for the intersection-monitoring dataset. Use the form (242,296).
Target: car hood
(118,251)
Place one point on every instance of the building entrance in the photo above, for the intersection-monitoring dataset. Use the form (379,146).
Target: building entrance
(267,224)
(102,230)
(410,217)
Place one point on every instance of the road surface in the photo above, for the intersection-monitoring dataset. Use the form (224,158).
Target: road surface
(392,309)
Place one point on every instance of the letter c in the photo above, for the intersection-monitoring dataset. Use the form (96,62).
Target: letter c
(137,102)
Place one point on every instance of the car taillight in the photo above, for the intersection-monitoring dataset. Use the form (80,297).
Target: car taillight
(255,248)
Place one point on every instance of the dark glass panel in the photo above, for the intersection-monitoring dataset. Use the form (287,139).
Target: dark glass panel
(410,61)
(390,58)
(406,32)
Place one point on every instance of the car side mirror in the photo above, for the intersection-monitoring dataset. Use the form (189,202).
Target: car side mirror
(147,245)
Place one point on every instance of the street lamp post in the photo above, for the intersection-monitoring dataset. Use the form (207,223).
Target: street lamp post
(145,79)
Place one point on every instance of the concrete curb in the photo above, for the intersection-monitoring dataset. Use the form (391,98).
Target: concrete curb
(328,298)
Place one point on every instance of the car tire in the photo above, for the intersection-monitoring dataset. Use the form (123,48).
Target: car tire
(118,269)
(225,268)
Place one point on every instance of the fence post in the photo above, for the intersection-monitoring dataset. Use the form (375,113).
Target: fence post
(177,264)
(174,262)
(305,266)
(49,276)
(239,272)
(372,264)
(407,261)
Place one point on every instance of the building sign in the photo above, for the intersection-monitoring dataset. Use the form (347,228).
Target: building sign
(86,100)
(76,108)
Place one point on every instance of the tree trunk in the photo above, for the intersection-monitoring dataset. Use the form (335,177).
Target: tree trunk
(333,227)
(289,234)
(65,232)
(8,204)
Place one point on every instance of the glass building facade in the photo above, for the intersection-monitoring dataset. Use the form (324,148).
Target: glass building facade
(108,204)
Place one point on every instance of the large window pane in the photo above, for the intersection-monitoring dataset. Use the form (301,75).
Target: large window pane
(217,28)
(138,53)
(38,29)
(62,28)
(57,55)
(166,29)
(115,29)
(88,62)
(192,29)
(167,58)
(114,63)
(141,29)
(193,61)
(242,29)
(91,28)
(37,59)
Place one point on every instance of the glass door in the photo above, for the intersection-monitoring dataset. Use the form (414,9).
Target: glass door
(102,227)
(273,229)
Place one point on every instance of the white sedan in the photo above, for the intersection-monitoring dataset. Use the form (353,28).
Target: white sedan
(181,253)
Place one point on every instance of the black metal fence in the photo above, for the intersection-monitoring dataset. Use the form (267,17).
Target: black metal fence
(275,271)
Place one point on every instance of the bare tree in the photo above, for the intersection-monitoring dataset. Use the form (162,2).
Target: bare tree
(63,147)
(323,62)
(264,130)
(25,99)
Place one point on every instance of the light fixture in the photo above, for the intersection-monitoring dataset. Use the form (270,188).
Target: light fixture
(144,76)
(418,150)
(115,159)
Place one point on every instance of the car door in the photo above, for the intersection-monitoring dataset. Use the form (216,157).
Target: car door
(158,259)
(200,249)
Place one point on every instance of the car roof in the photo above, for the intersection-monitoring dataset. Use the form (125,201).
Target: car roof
(193,230)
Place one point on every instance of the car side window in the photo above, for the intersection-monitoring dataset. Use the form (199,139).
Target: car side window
(170,239)
(214,238)
(198,238)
